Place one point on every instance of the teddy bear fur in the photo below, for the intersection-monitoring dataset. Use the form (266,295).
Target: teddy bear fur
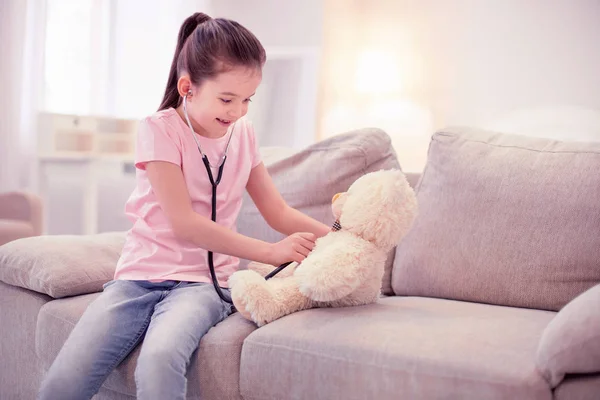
(346,266)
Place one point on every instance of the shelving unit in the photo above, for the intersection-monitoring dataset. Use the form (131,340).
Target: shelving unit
(74,137)
(74,152)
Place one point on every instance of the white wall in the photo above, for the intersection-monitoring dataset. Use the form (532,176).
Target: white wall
(144,49)
(285,106)
(276,22)
(527,66)
(489,59)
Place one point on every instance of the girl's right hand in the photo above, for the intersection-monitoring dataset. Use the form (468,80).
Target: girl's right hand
(293,248)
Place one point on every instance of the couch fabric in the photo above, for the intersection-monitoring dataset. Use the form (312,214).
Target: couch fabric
(571,342)
(503,221)
(20,370)
(61,265)
(579,387)
(421,347)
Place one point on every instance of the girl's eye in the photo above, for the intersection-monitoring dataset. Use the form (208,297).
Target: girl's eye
(226,101)
(248,101)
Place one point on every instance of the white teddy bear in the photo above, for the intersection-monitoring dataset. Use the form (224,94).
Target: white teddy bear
(346,266)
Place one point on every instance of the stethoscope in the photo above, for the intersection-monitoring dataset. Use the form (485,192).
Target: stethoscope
(214,183)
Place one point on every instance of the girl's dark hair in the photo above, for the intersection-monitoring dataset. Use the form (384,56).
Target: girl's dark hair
(206,47)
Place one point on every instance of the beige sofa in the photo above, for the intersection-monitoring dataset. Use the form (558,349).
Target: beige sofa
(494,294)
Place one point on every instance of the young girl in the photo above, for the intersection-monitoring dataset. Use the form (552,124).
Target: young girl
(162,291)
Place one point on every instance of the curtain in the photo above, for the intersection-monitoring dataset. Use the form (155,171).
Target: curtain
(21,38)
(12,33)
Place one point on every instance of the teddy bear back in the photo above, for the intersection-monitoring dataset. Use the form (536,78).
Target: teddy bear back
(380,207)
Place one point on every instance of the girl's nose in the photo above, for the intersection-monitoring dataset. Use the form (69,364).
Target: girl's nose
(234,112)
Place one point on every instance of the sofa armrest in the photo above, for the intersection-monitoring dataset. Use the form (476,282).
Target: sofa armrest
(61,265)
(23,207)
(570,344)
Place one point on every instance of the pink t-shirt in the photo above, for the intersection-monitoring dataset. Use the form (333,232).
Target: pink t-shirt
(151,251)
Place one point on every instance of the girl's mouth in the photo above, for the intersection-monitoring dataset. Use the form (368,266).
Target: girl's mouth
(224,122)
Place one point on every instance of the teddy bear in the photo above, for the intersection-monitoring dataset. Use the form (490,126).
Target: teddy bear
(346,266)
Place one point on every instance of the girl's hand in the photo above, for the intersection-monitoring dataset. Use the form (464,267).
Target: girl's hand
(293,248)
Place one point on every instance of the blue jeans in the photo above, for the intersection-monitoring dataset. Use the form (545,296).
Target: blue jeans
(171,317)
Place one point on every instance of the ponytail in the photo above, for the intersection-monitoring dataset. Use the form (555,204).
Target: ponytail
(171,97)
(205,48)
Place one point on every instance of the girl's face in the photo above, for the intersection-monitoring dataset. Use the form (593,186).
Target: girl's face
(217,103)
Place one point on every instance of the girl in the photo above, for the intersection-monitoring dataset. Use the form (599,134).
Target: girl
(162,291)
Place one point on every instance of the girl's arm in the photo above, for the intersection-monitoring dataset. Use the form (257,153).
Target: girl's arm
(168,183)
(275,210)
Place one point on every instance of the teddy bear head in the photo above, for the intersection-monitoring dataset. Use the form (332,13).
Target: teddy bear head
(379,207)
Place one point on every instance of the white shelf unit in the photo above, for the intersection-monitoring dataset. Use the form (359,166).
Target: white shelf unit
(76,154)
(62,136)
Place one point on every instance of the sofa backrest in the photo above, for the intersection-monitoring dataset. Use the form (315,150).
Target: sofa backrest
(504,219)
(308,178)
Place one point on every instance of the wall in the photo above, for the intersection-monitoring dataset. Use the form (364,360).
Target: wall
(494,58)
(284,108)
(489,63)
(276,22)
(143,51)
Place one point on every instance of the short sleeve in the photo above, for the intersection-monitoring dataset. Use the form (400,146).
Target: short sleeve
(255,149)
(156,142)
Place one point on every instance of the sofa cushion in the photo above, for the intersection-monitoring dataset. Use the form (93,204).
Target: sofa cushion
(571,342)
(308,179)
(215,366)
(61,265)
(20,374)
(504,219)
(409,348)
(579,387)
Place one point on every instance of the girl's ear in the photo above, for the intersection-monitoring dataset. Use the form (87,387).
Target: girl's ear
(184,85)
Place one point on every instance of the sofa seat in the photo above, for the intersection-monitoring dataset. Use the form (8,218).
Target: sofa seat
(579,387)
(402,347)
(216,365)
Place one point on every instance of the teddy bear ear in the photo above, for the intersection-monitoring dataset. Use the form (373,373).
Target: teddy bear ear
(380,207)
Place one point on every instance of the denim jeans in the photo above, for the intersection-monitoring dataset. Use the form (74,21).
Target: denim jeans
(171,317)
